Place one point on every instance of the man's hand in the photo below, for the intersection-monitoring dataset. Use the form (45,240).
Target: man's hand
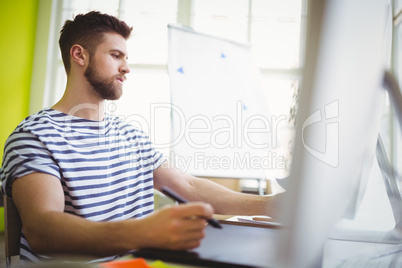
(177,227)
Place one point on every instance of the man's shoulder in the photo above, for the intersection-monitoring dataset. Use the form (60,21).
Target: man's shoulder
(39,121)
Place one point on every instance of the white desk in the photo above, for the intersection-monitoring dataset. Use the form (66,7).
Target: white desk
(361,254)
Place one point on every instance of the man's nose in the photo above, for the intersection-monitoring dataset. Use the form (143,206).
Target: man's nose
(125,69)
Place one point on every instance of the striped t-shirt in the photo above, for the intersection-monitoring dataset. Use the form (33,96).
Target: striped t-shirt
(105,167)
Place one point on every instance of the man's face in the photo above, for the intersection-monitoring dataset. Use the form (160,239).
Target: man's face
(107,67)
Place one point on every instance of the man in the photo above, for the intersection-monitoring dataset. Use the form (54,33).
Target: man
(83,181)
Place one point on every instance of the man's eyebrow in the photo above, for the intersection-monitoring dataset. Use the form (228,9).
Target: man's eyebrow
(120,52)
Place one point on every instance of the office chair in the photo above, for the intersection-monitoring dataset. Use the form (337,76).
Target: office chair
(12,230)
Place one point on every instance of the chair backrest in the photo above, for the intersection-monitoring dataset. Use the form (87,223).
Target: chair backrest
(12,232)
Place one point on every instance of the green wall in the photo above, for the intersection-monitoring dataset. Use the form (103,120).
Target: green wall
(17,39)
(17,34)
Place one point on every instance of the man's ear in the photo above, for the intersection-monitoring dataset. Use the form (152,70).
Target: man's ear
(79,55)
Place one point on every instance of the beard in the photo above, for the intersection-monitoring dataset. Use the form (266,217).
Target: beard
(107,91)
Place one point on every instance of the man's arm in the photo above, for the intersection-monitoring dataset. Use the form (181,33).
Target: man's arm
(222,199)
(39,199)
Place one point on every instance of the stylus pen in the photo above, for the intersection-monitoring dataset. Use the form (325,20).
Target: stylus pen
(175,196)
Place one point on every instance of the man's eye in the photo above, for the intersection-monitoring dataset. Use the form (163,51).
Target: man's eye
(115,56)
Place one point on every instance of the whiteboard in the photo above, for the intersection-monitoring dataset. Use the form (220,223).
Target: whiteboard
(221,124)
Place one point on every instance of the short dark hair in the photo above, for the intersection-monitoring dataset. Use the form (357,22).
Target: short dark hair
(88,30)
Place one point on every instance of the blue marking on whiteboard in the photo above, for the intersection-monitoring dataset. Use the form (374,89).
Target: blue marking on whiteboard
(244,107)
(223,55)
(180,70)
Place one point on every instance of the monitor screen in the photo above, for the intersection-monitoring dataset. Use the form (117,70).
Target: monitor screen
(341,104)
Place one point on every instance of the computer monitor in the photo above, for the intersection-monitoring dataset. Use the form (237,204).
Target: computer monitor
(338,121)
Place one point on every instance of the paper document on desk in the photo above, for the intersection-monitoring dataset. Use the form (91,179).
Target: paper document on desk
(256,219)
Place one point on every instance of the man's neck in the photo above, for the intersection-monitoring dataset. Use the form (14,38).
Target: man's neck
(87,105)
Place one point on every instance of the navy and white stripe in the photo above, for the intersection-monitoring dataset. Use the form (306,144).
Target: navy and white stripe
(105,168)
